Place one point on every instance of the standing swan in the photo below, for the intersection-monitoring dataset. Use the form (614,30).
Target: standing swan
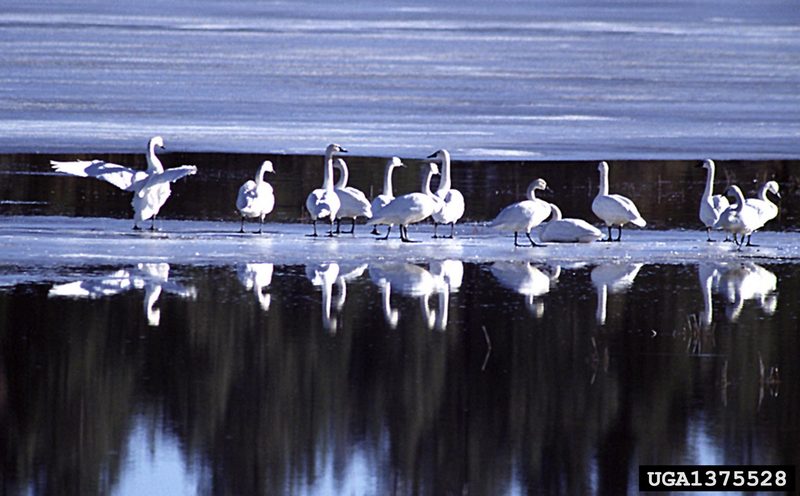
(410,208)
(324,202)
(766,209)
(614,210)
(452,199)
(740,219)
(387,195)
(256,198)
(150,188)
(524,215)
(354,201)
(711,206)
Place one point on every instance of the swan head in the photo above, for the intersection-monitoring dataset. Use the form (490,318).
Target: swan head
(602,166)
(395,162)
(334,148)
(773,187)
(267,167)
(440,156)
(432,168)
(156,141)
(707,164)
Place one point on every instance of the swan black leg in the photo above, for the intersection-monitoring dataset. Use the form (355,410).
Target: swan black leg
(515,240)
(330,232)
(435,226)
(452,230)
(609,238)
(261,225)
(153,223)
(375,230)
(352,226)
(241,229)
(708,234)
(531,239)
(388,231)
(338,225)
(313,223)
(619,235)
(404,235)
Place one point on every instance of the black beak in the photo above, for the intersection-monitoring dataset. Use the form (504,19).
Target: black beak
(342,150)
(432,155)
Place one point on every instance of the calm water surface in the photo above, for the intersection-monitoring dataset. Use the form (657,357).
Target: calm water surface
(433,378)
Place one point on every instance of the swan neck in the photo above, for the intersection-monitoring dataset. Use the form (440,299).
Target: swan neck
(444,184)
(709,182)
(426,183)
(739,199)
(153,162)
(260,175)
(762,193)
(327,180)
(387,180)
(344,177)
(604,181)
(532,192)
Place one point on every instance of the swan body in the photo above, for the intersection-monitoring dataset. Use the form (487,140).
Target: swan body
(614,210)
(741,218)
(560,230)
(410,208)
(452,206)
(711,205)
(354,202)
(525,215)
(150,188)
(387,195)
(324,203)
(256,198)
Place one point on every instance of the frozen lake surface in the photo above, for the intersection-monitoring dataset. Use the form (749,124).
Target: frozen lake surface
(550,80)
(55,241)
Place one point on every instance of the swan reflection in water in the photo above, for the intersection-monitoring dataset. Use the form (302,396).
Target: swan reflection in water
(347,273)
(449,274)
(612,278)
(406,279)
(740,282)
(257,277)
(527,280)
(324,275)
(152,277)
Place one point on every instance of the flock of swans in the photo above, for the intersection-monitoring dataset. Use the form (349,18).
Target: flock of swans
(333,202)
(735,282)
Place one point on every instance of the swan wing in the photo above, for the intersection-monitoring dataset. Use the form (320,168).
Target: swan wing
(617,209)
(123,178)
(246,196)
(452,206)
(166,177)
(354,203)
(719,203)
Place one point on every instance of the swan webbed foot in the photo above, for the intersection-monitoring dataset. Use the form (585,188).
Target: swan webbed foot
(136,227)
(533,243)
(312,235)
(374,231)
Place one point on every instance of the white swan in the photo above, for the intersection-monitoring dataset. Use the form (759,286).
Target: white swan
(324,202)
(407,279)
(561,230)
(354,202)
(527,280)
(257,277)
(612,278)
(767,210)
(325,275)
(152,277)
(748,281)
(256,198)
(614,210)
(452,207)
(711,206)
(387,195)
(150,187)
(410,208)
(708,275)
(524,215)
(740,219)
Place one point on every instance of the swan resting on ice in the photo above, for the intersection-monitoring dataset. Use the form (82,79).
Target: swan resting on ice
(353,201)
(711,206)
(614,210)
(452,205)
(524,215)
(256,198)
(150,187)
(410,208)
(324,203)
(561,230)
